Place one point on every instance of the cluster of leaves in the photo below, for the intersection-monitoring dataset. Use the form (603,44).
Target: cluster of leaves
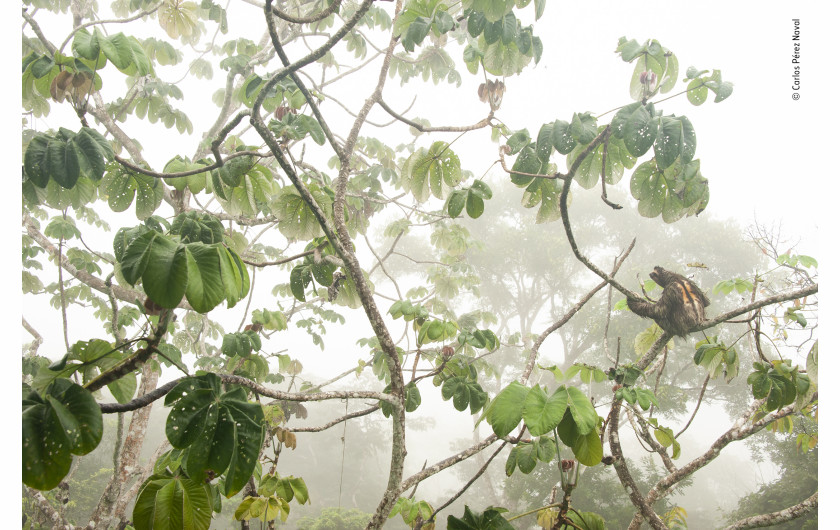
(643,396)
(716,357)
(273,497)
(220,431)
(567,412)
(418,18)
(796,260)
(66,156)
(413,511)
(498,41)
(490,519)
(431,171)
(779,382)
(472,198)
(189,260)
(670,184)
(534,158)
(89,359)
(548,519)
(311,272)
(656,67)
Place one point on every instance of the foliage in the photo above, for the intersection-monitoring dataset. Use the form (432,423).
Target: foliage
(291,196)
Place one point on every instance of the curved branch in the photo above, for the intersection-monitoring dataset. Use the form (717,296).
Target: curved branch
(314,55)
(109,21)
(422,128)
(771,519)
(278,48)
(532,358)
(154,395)
(741,429)
(37,29)
(447,462)
(467,485)
(279,261)
(336,421)
(564,211)
(697,408)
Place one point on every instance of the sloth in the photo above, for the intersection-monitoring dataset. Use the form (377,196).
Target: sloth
(681,308)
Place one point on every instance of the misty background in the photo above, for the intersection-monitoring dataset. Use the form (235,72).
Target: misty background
(527,272)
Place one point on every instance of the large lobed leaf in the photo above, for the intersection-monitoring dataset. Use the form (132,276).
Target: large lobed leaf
(65,421)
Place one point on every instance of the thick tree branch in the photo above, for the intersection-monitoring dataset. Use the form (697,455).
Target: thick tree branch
(446,463)
(741,429)
(623,472)
(774,518)
(40,34)
(135,361)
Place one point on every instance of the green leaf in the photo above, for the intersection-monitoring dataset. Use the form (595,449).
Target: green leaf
(543,413)
(489,519)
(640,131)
(412,397)
(35,161)
(311,126)
(475,205)
(561,137)
(583,413)
(300,277)
(193,226)
(588,448)
(455,203)
(67,420)
(165,276)
(205,287)
(505,411)
(696,92)
(135,257)
(296,219)
(173,502)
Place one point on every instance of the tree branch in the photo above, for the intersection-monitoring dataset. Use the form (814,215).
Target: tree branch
(422,128)
(529,365)
(774,518)
(158,393)
(126,295)
(623,472)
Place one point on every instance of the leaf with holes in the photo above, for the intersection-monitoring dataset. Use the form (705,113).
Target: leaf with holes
(65,421)
(120,187)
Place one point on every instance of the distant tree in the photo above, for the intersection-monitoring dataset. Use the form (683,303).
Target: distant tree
(214,263)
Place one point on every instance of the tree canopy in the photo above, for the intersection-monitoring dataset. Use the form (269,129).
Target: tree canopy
(222,187)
